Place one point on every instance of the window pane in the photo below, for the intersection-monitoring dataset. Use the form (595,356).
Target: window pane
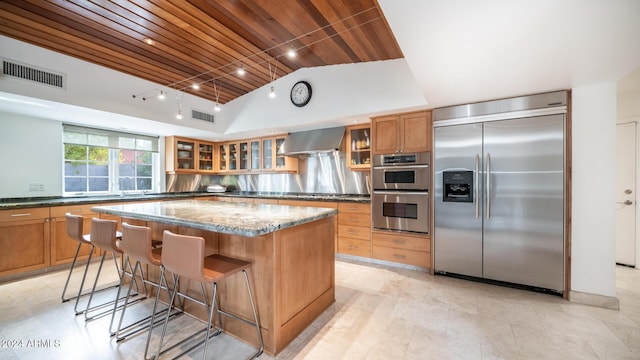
(126,156)
(98,184)
(143,157)
(98,155)
(75,138)
(126,143)
(127,170)
(98,140)
(144,144)
(144,170)
(144,184)
(99,170)
(127,183)
(74,168)
(75,152)
(75,184)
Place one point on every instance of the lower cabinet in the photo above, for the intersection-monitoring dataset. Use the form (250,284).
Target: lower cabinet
(24,240)
(323,204)
(63,248)
(403,248)
(354,229)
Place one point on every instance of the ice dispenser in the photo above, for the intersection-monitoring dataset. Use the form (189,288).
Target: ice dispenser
(457,186)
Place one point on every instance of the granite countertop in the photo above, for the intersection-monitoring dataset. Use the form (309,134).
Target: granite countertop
(18,203)
(223,217)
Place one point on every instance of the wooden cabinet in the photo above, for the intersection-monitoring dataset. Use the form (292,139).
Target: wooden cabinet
(255,155)
(63,248)
(24,240)
(402,133)
(354,229)
(180,155)
(410,249)
(206,157)
(359,147)
(272,161)
(183,155)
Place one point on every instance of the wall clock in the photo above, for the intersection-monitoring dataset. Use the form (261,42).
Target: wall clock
(301,93)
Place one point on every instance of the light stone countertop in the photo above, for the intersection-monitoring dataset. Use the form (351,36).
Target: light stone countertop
(223,217)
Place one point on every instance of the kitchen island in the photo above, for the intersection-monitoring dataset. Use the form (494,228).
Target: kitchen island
(291,248)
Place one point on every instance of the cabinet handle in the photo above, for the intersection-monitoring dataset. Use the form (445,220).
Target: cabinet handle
(18,215)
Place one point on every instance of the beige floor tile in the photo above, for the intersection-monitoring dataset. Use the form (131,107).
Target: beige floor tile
(379,313)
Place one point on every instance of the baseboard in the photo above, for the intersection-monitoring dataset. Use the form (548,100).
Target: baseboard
(607,302)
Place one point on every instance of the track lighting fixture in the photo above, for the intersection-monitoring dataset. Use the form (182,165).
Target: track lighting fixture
(179,115)
(272,93)
(241,71)
(161,96)
(217,107)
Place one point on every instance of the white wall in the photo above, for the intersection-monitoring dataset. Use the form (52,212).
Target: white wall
(593,189)
(31,153)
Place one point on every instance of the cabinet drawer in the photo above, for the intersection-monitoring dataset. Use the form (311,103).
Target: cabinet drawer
(59,211)
(363,220)
(402,241)
(354,247)
(355,208)
(355,232)
(409,257)
(24,214)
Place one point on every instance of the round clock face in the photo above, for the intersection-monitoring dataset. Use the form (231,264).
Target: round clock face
(301,93)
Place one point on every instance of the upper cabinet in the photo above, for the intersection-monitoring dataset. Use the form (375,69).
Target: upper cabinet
(255,155)
(359,147)
(184,155)
(205,156)
(180,155)
(402,133)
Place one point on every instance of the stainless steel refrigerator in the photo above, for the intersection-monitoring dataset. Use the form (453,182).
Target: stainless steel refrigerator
(499,193)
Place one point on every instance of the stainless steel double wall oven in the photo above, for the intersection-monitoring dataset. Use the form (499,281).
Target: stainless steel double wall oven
(400,198)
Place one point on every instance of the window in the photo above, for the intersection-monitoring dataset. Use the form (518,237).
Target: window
(104,162)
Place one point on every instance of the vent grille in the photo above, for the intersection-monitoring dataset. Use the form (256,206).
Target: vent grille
(200,115)
(25,72)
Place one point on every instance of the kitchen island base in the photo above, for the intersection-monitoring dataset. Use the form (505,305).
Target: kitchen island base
(292,277)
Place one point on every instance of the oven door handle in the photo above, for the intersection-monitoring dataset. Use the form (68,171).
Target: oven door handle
(378,192)
(399,167)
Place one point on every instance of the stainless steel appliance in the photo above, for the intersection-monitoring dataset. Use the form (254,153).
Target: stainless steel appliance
(400,199)
(401,172)
(500,190)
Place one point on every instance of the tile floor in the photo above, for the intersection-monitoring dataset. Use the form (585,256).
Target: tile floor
(379,313)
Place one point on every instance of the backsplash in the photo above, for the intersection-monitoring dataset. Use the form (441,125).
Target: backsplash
(318,173)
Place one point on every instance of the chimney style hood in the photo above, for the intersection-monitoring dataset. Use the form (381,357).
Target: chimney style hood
(313,141)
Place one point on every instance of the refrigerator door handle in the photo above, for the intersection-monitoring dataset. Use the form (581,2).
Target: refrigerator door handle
(488,186)
(475,185)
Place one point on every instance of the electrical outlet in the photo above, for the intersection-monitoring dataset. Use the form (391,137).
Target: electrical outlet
(36,187)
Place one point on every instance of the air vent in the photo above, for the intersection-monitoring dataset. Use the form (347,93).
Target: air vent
(199,115)
(30,73)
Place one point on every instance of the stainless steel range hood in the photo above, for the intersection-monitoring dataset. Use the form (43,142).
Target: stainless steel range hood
(313,142)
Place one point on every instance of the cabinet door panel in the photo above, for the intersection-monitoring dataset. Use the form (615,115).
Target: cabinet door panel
(385,134)
(24,246)
(416,132)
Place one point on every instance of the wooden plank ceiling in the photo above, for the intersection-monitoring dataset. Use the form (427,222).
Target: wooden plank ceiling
(204,41)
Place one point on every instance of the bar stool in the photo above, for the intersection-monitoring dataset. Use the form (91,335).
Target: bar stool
(104,236)
(137,245)
(184,257)
(75,225)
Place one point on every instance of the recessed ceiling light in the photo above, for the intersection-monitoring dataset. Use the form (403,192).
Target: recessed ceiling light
(291,53)
(196,86)
(148,41)
(241,71)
